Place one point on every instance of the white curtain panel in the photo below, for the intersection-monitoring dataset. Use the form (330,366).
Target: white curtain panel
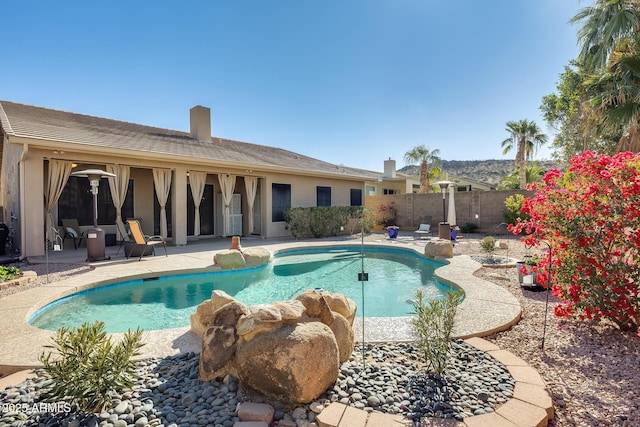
(197,181)
(162,182)
(59,171)
(118,185)
(451,215)
(227,184)
(251,187)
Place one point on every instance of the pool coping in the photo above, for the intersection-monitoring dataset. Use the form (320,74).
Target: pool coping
(486,309)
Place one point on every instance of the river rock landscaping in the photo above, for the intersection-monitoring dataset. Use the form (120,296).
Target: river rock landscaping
(392,380)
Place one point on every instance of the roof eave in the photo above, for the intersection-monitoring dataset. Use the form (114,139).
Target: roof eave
(60,145)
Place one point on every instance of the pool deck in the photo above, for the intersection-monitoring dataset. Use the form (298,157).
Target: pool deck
(487,308)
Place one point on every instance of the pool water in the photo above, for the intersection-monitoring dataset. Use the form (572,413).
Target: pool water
(168,302)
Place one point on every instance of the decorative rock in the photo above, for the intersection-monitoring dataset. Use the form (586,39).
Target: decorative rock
(295,363)
(121,408)
(316,407)
(283,350)
(341,304)
(266,317)
(230,259)
(317,306)
(438,248)
(218,351)
(248,411)
(203,317)
(255,257)
(345,338)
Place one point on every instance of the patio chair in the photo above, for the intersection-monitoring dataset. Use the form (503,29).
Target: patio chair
(123,234)
(72,230)
(142,241)
(423,230)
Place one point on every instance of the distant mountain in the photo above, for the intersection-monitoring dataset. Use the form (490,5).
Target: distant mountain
(489,171)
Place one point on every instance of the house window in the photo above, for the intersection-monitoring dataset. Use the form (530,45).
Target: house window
(371,190)
(76,201)
(323,196)
(390,191)
(280,200)
(356,197)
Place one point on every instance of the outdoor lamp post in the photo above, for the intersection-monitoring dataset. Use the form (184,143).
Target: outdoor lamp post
(95,235)
(443,228)
(443,187)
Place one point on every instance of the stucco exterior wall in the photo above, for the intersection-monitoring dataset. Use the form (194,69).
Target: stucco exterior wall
(303,195)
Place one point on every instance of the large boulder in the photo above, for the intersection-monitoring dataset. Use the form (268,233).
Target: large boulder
(231,259)
(288,350)
(345,338)
(329,308)
(203,317)
(295,363)
(341,304)
(317,305)
(255,257)
(220,340)
(218,352)
(267,317)
(438,248)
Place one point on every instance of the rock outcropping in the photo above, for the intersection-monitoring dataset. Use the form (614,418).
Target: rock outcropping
(438,247)
(288,350)
(234,259)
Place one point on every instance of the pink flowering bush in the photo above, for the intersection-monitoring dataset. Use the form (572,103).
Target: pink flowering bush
(590,216)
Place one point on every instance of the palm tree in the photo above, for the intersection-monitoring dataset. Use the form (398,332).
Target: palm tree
(610,43)
(525,137)
(512,181)
(607,26)
(426,158)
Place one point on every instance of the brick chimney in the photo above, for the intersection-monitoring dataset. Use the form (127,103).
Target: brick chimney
(201,123)
(389,168)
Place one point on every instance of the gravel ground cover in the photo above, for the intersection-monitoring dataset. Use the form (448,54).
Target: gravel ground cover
(592,370)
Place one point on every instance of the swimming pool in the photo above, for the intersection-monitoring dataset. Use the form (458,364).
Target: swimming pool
(167,302)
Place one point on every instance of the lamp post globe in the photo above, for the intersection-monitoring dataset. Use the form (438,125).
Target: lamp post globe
(443,187)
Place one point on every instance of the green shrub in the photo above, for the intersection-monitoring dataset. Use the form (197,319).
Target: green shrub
(88,368)
(469,227)
(432,325)
(325,221)
(488,245)
(8,273)
(513,209)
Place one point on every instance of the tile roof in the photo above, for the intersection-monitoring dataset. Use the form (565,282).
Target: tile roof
(33,122)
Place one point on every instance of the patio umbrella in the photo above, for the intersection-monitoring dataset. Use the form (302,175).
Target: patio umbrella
(451,217)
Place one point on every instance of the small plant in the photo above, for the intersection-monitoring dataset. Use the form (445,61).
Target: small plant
(386,214)
(8,273)
(88,368)
(488,245)
(469,228)
(432,325)
(532,260)
(513,209)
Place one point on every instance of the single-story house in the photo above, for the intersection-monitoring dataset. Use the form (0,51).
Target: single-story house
(182,185)
(394,182)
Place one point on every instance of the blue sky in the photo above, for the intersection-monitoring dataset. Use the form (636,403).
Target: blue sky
(351,82)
